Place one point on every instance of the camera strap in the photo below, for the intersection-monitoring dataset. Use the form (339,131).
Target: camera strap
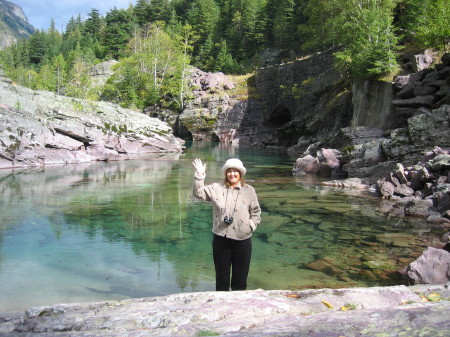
(235,203)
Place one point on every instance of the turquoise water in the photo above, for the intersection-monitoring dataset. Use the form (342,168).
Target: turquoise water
(110,231)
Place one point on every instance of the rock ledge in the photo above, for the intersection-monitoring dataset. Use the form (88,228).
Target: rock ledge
(416,310)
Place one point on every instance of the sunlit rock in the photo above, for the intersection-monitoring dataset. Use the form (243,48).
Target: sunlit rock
(432,267)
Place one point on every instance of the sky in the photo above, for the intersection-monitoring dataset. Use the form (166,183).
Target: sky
(40,13)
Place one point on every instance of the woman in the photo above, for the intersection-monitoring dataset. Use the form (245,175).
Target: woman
(236,214)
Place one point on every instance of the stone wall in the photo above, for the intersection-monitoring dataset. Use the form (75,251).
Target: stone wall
(305,98)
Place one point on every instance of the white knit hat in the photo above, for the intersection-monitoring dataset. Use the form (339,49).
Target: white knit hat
(236,164)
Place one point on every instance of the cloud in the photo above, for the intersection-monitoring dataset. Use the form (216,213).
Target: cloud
(40,13)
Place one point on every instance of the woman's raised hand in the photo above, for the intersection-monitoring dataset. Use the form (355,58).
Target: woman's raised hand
(199,166)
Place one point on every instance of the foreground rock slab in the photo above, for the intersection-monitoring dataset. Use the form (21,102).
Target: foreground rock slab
(414,311)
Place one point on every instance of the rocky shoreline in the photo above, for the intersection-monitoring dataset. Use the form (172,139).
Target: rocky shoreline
(39,128)
(392,311)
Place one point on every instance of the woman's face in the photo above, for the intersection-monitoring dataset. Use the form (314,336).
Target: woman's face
(233,176)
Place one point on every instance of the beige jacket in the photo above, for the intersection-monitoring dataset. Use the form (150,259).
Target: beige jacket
(240,202)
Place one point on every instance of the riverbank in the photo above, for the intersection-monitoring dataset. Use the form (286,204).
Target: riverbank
(421,310)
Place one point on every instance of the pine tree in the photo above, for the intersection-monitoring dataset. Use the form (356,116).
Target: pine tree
(284,24)
(37,47)
(159,10)
(119,29)
(204,16)
(429,23)
(224,61)
(94,24)
(141,11)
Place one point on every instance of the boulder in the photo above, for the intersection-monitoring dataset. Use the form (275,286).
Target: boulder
(416,101)
(432,267)
(307,164)
(421,61)
(329,161)
(353,183)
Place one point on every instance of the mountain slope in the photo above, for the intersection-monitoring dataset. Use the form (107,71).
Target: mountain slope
(14,24)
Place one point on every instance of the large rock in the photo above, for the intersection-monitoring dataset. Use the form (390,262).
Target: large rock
(322,312)
(41,128)
(432,267)
(100,73)
(421,61)
(307,164)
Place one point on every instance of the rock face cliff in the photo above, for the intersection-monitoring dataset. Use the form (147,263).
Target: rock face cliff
(14,24)
(39,128)
(273,107)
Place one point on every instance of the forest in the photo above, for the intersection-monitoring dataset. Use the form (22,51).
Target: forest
(155,42)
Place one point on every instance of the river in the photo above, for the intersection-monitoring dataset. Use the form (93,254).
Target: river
(117,230)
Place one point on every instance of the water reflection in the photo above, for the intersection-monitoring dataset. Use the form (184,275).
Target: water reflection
(131,229)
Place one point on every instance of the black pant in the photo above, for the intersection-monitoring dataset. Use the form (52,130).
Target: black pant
(231,255)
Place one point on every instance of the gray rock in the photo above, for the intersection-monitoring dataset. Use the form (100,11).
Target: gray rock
(307,164)
(101,72)
(440,162)
(432,267)
(424,90)
(415,206)
(401,81)
(41,128)
(421,61)
(323,312)
(352,183)
(416,101)
(386,188)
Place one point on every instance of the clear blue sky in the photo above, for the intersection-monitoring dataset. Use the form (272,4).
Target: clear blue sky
(40,13)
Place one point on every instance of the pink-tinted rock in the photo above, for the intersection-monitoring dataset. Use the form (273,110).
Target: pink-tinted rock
(307,164)
(432,267)
(328,161)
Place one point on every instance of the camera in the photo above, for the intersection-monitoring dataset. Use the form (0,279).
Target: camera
(228,220)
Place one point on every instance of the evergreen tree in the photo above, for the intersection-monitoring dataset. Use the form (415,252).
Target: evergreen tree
(79,82)
(224,61)
(119,29)
(37,47)
(362,28)
(94,24)
(159,10)
(284,24)
(427,23)
(204,58)
(73,24)
(141,12)
(53,41)
(204,16)
(271,10)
